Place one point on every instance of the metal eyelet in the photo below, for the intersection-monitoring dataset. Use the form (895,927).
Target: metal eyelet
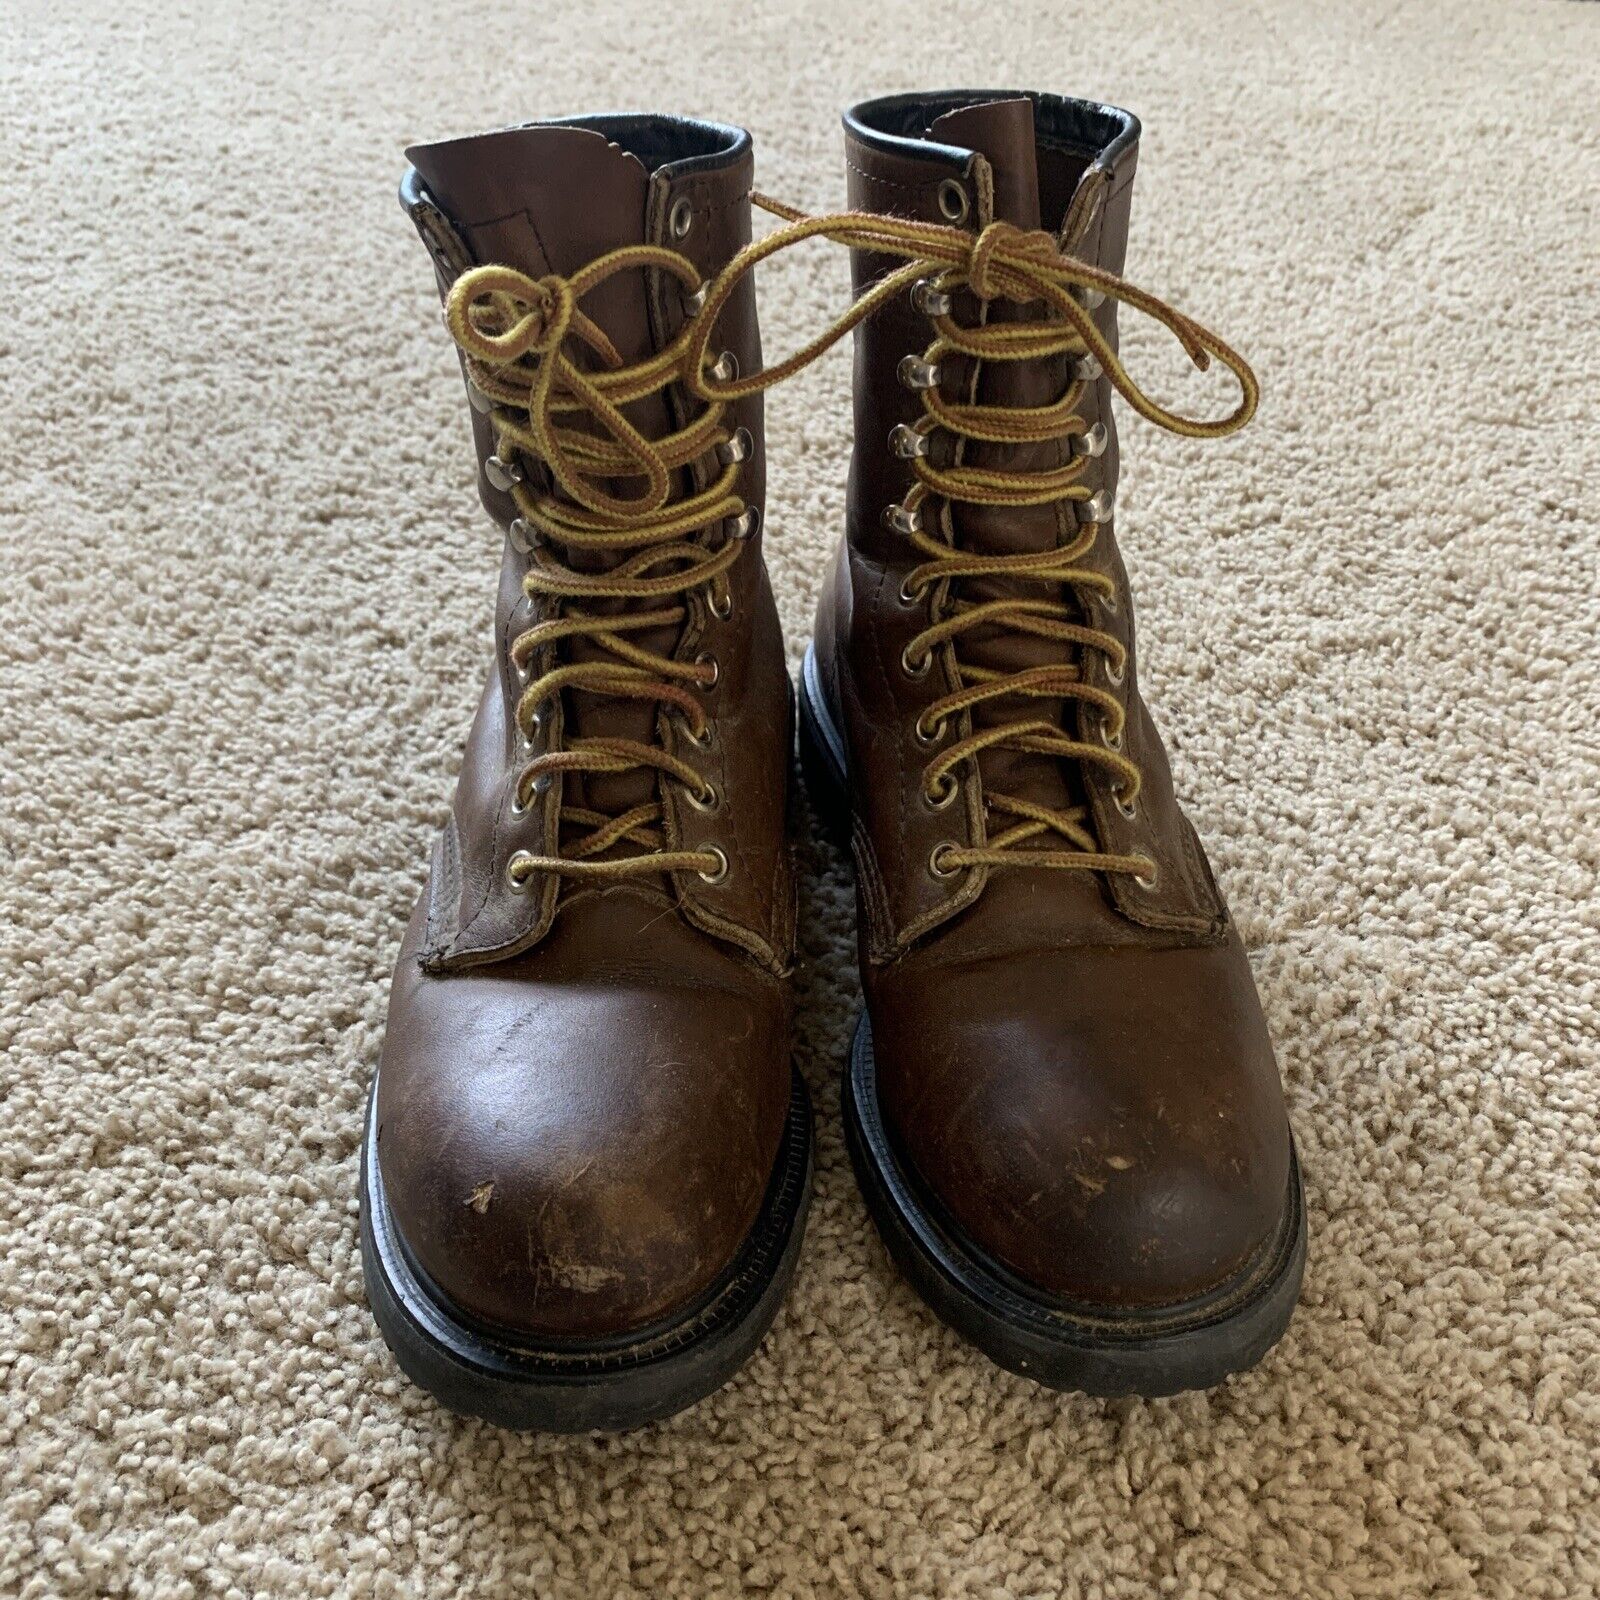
(747,524)
(721,611)
(726,367)
(696,298)
(1112,741)
(954,203)
(521,882)
(915,373)
(1099,507)
(1091,444)
(1128,808)
(682,218)
(539,786)
(907,443)
(1116,676)
(706,659)
(926,735)
(523,535)
(933,861)
(908,595)
(722,865)
(502,474)
(1109,600)
(1089,299)
(523,669)
(898,520)
(1150,881)
(929,299)
(478,400)
(737,448)
(912,671)
(947,791)
(525,736)
(1087,368)
(710,799)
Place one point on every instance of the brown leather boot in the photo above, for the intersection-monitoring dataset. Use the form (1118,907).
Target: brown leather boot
(1062,1102)
(587,1159)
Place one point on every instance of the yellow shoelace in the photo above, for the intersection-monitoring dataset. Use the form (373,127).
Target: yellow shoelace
(514,331)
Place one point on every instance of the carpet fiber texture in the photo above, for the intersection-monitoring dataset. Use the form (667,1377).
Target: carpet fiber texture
(244,618)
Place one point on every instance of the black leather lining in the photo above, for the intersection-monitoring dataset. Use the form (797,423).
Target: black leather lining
(662,141)
(899,123)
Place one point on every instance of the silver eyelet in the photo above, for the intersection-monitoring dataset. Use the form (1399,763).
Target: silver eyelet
(721,869)
(1109,600)
(746,524)
(1116,676)
(706,659)
(1150,881)
(1128,808)
(953,201)
(523,669)
(912,671)
(682,218)
(525,736)
(1089,299)
(1087,368)
(898,520)
(908,595)
(915,373)
(1112,741)
(928,736)
(1099,507)
(947,792)
(709,800)
(1091,444)
(907,443)
(524,536)
(521,882)
(933,861)
(930,300)
(478,400)
(737,448)
(695,299)
(539,786)
(502,474)
(726,367)
(723,610)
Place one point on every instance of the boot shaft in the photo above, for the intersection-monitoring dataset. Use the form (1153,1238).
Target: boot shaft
(548,200)
(968,159)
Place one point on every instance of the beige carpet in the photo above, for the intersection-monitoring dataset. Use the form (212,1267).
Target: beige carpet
(243,621)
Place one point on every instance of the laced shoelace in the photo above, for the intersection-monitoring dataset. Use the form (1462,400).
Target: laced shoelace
(1003,262)
(516,331)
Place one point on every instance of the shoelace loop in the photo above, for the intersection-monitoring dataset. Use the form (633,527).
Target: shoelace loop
(1002,262)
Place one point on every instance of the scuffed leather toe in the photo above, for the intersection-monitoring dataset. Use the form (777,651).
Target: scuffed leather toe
(1106,1124)
(571,1150)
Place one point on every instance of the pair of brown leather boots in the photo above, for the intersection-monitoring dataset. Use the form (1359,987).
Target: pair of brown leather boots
(588,1156)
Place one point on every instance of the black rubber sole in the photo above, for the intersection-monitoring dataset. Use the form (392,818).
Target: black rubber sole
(579,1386)
(1093,1350)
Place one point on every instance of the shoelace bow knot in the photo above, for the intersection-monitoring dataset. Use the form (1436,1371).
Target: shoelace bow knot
(517,331)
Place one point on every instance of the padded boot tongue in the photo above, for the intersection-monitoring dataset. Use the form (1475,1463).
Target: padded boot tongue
(551,199)
(1002,132)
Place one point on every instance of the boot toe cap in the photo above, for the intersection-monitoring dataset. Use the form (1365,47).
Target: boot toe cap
(585,1161)
(1112,1133)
